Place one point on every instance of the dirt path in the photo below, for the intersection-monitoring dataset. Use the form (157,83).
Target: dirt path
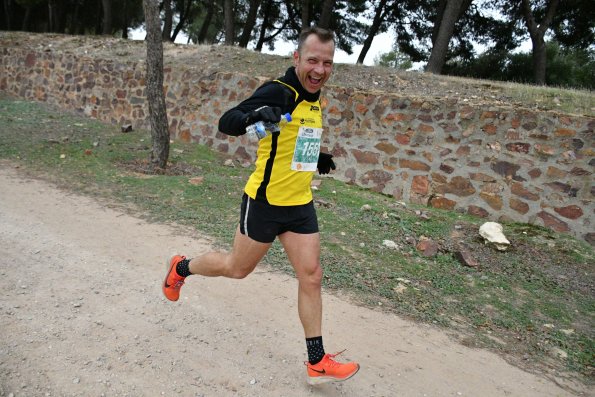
(82,314)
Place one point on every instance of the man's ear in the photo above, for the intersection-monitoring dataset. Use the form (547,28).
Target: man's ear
(296,58)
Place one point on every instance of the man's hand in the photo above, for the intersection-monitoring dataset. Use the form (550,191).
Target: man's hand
(325,163)
(264,113)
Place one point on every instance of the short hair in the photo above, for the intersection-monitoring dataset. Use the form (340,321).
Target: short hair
(324,35)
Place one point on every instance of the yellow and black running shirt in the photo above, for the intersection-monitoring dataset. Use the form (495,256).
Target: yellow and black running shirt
(286,161)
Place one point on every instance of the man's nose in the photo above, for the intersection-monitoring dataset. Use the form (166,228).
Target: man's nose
(319,68)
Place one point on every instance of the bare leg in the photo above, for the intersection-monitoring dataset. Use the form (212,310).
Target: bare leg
(303,251)
(240,262)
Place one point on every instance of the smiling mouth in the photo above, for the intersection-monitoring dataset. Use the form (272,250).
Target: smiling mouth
(315,81)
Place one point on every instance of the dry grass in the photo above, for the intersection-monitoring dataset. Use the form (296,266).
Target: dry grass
(209,59)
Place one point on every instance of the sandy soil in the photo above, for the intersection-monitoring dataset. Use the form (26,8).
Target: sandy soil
(82,314)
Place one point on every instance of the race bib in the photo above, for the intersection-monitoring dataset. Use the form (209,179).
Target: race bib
(307,149)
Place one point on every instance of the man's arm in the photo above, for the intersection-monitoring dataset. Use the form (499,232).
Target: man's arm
(235,120)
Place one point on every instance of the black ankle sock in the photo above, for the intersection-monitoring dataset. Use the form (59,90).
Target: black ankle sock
(315,349)
(182,268)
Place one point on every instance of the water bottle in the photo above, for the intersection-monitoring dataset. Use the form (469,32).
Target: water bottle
(260,129)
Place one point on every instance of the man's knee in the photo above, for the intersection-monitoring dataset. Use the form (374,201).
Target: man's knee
(312,277)
(240,271)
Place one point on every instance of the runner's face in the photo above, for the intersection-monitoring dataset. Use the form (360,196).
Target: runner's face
(314,63)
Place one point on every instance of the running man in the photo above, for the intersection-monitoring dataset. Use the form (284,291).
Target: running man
(277,200)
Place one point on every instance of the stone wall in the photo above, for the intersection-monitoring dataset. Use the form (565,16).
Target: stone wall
(496,162)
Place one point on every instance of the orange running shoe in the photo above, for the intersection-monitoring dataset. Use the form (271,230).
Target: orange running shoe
(328,370)
(173,282)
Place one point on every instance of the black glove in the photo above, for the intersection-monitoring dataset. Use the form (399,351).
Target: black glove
(325,163)
(264,113)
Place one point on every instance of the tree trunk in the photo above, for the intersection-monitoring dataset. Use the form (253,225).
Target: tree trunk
(250,22)
(107,17)
(98,21)
(51,15)
(155,95)
(438,21)
(229,19)
(292,18)
(63,12)
(440,15)
(539,58)
(7,13)
(204,29)
(74,27)
(447,26)
(537,33)
(376,23)
(305,14)
(327,14)
(266,14)
(125,21)
(26,17)
(183,18)
(267,10)
(57,11)
(168,22)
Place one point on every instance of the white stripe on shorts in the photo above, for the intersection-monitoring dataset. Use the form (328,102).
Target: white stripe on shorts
(246,217)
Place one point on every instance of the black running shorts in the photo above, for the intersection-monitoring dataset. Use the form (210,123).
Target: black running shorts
(263,222)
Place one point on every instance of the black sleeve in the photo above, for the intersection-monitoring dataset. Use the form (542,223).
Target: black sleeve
(233,122)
